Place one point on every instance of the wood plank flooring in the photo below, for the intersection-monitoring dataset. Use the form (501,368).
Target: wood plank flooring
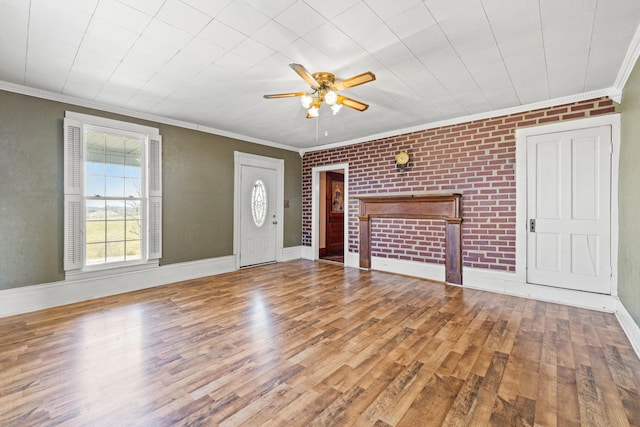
(307,343)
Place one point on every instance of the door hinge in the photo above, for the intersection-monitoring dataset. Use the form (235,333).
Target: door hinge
(532,225)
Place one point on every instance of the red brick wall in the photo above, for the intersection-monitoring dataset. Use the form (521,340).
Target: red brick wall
(475,158)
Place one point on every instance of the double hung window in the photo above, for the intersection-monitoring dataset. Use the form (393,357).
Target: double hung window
(113,194)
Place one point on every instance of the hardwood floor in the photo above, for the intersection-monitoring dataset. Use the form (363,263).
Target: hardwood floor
(313,344)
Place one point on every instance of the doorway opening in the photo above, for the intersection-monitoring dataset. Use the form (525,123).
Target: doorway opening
(330,213)
(331,225)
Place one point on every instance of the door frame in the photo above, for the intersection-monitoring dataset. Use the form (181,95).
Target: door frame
(315,207)
(240,159)
(522,134)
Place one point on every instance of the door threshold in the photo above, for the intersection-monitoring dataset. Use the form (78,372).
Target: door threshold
(258,264)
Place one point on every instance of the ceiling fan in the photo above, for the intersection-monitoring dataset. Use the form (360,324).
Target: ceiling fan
(325,89)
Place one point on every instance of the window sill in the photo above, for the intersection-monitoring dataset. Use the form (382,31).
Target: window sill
(93,272)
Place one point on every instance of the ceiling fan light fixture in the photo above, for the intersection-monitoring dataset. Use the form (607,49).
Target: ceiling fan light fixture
(314,111)
(335,108)
(306,100)
(331,97)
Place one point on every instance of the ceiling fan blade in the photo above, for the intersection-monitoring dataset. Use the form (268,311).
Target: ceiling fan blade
(352,103)
(355,81)
(302,72)
(284,95)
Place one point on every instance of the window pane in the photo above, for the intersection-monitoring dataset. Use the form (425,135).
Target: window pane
(115,251)
(133,250)
(133,210)
(115,169)
(133,230)
(133,155)
(95,253)
(96,209)
(259,203)
(132,187)
(94,186)
(115,230)
(115,187)
(94,168)
(96,231)
(115,209)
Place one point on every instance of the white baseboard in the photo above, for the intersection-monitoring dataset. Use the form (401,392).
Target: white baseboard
(37,297)
(307,253)
(291,253)
(500,282)
(629,326)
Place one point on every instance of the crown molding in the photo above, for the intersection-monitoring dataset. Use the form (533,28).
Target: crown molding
(630,60)
(53,96)
(611,92)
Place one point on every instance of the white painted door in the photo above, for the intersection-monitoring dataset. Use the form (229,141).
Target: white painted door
(569,209)
(258,215)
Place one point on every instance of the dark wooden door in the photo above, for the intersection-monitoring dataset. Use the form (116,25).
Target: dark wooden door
(335,214)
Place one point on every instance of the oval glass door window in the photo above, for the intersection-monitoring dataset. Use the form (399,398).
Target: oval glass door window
(259,203)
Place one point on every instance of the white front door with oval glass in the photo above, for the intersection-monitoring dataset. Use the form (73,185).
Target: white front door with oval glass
(258,215)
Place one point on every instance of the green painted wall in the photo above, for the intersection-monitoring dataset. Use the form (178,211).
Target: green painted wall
(197,185)
(629,195)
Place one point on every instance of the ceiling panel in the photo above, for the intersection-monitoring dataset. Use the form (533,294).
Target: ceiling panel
(209,62)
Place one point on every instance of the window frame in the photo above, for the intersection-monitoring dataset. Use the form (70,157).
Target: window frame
(76,126)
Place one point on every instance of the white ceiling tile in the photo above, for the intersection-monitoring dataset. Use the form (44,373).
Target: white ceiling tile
(143,101)
(231,61)
(300,18)
(162,40)
(12,68)
(302,52)
(81,86)
(426,40)
(14,23)
(87,6)
(92,64)
(349,53)
(511,11)
(378,39)
(331,8)
(444,9)
(209,7)
(411,21)
(271,8)
(108,39)
(122,15)
(16,4)
(386,9)
(113,94)
(42,53)
(150,7)
(274,35)
(466,23)
(49,78)
(393,53)
(327,38)
(58,22)
(139,64)
(188,63)
(183,16)
(221,35)
(252,50)
(242,17)
(357,21)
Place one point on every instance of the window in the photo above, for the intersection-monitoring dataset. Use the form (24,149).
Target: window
(113,195)
(259,203)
